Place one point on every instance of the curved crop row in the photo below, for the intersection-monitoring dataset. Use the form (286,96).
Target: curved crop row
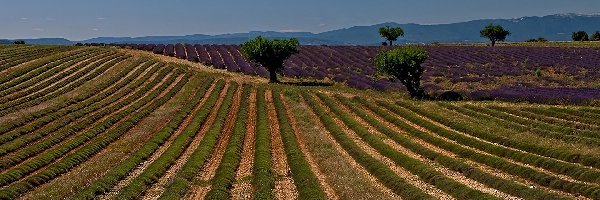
(501,184)
(531,153)
(73,104)
(83,67)
(541,178)
(58,89)
(60,127)
(106,182)
(56,72)
(225,173)
(40,66)
(91,149)
(567,114)
(384,174)
(424,171)
(27,57)
(183,180)
(49,156)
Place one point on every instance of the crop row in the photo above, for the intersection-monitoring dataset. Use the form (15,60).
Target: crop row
(73,104)
(225,173)
(454,164)
(61,128)
(44,158)
(567,114)
(187,174)
(424,171)
(84,153)
(83,67)
(523,125)
(549,118)
(57,71)
(530,153)
(106,182)
(26,57)
(305,180)
(383,173)
(40,66)
(59,89)
(534,121)
(263,160)
(498,162)
(158,168)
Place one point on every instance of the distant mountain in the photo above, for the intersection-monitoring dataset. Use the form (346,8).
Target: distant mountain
(552,27)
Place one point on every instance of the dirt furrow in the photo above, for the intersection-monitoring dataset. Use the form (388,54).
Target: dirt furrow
(407,175)
(372,180)
(284,184)
(480,166)
(242,189)
(313,165)
(158,188)
(210,168)
(140,168)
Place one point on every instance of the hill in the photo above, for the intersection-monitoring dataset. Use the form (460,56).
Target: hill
(107,123)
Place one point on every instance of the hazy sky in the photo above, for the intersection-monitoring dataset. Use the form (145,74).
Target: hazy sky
(83,19)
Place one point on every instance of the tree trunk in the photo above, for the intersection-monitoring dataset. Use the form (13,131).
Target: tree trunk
(273,76)
(493,42)
(390,43)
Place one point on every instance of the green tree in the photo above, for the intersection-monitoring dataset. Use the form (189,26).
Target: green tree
(391,34)
(19,42)
(404,65)
(595,36)
(494,33)
(270,53)
(580,36)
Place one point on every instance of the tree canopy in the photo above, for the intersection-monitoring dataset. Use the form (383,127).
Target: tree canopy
(404,65)
(580,36)
(595,36)
(391,33)
(270,53)
(494,33)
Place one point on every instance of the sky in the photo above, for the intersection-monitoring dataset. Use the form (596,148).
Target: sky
(84,19)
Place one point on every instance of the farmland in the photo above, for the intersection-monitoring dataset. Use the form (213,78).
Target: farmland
(515,72)
(116,123)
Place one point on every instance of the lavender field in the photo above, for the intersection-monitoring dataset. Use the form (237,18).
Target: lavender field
(514,73)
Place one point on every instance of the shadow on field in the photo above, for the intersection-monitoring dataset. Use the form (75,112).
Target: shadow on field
(307,83)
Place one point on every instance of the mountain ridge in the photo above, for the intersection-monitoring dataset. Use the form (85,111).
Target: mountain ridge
(552,27)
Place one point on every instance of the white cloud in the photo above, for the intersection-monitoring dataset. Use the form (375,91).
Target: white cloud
(290,30)
(100,18)
(50,19)
(322,24)
(38,29)
(23,18)
(95,29)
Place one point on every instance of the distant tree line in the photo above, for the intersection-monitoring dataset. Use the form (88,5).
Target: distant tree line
(583,36)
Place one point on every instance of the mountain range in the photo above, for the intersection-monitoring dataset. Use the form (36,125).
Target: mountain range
(552,27)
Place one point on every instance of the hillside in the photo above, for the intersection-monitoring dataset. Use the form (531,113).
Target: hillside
(108,123)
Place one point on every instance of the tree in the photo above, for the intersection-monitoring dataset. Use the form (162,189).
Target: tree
(270,53)
(404,65)
(494,33)
(580,36)
(19,42)
(595,36)
(391,34)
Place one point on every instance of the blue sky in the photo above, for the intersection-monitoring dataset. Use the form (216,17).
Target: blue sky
(83,19)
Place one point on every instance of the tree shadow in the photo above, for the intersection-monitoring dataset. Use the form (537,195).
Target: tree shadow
(306,83)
